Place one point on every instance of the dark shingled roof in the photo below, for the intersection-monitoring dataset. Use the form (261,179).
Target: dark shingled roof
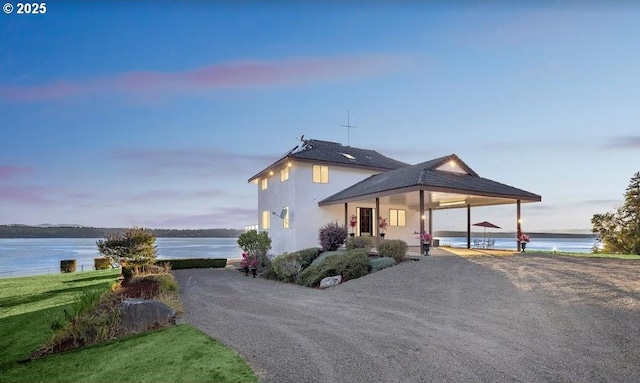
(326,151)
(425,176)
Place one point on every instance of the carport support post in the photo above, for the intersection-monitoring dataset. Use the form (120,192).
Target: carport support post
(431,220)
(468,226)
(422,220)
(375,220)
(518,225)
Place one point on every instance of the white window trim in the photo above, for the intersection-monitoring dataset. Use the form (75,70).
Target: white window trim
(265,220)
(323,174)
(395,213)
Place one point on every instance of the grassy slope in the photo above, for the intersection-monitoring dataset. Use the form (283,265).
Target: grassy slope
(29,305)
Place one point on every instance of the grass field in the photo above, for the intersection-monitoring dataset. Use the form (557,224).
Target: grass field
(28,306)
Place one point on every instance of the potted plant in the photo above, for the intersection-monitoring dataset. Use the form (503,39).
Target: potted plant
(523,239)
(352,223)
(425,241)
(249,263)
(382,224)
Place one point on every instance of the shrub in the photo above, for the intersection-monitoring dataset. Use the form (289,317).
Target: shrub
(362,242)
(194,263)
(101,263)
(134,246)
(332,236)
(255,244)
(394,248)
(324,256)
(166,282)
(68,266)
(127,272)
(350,264)
(308,255)
(377,264)
(287,266)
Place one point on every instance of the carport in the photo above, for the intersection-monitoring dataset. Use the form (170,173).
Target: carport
(442,183)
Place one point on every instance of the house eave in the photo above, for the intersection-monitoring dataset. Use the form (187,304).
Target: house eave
(390,192)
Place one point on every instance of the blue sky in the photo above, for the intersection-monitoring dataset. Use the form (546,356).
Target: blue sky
(156,113)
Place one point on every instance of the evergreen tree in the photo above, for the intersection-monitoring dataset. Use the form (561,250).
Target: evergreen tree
(619,231)
(134,246)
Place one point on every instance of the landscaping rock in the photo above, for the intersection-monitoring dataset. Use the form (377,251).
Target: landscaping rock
(330,281)
(139,315)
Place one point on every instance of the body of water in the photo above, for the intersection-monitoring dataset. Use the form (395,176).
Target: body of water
(29,256)
(574,245)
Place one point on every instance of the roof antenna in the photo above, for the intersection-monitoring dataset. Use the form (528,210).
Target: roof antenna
(349,127)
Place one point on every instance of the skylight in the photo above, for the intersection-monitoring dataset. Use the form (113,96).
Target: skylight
(349,156)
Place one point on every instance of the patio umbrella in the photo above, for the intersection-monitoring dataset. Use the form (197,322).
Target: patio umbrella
(486,224)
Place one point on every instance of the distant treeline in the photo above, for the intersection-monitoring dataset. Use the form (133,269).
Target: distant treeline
(23,231)
(494,233)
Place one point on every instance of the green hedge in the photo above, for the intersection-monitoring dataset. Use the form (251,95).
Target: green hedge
(68,266)
(101,263)
(193,263)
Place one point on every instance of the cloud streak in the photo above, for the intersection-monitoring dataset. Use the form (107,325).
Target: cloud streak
(624,142)
(12,171)
(192,162)
(228,75)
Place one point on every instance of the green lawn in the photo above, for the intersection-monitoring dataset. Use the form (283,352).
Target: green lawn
(28,306)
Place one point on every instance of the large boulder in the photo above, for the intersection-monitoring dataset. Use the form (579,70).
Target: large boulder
(139,315)
(330,281)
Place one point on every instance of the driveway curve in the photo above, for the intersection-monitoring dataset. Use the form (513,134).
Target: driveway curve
(443,318)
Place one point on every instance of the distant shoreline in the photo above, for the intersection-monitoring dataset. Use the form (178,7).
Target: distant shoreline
(512,234)
(25,231)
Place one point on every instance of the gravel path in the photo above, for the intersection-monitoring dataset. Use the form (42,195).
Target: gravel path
(444,318)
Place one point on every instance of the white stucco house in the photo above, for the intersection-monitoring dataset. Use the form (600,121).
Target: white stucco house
(319,182)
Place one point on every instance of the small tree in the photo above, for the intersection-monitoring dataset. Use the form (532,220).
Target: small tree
(256,245)
(332,236)
(620,231)
(135,246)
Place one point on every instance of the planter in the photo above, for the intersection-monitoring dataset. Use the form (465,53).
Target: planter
(523,245)
(246,271)
(382,235)
(254,271)
(425,248)
(352,234)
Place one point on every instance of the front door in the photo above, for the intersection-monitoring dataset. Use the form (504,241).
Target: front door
(366,221)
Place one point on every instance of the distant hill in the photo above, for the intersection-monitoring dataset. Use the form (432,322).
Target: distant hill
(73,231)
(512,234)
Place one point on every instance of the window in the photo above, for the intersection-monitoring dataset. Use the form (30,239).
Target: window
(284,174)
(266,215)
(263,184)
(397,217)
(285,218)
(320,174)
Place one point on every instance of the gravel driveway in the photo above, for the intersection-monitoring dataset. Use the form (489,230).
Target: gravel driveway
(444,318)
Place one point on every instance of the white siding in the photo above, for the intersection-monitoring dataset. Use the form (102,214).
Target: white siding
(301,195)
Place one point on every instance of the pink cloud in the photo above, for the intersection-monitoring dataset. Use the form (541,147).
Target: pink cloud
(10,171)
(626,142)
(192,162)
(238,74)
(28,195)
